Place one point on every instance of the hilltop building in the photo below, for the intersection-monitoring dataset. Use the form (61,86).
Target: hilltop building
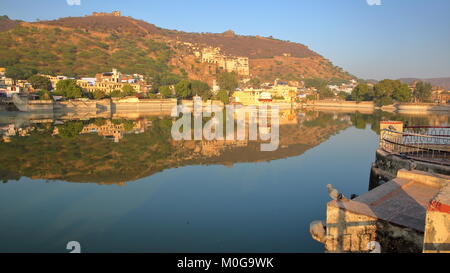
(213,55)
(114,13)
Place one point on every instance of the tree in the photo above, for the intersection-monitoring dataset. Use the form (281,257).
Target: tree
(384,91)
(128,90)
(40,82)
(228,81)
(222,95)
(402,93)
(201,89)
(69,89)
(18,72)
(183,89)
(255,83)
(316,83)
(325,92)
(99,94)
(344,95)
(116,94)
(165,91)
(70,129)
(422,92)
(44,94)
(360,92)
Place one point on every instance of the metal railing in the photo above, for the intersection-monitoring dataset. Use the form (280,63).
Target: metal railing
(422,143)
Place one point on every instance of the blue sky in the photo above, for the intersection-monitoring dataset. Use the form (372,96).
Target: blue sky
(399,38)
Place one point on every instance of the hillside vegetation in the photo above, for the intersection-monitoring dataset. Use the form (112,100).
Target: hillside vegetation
(83,46)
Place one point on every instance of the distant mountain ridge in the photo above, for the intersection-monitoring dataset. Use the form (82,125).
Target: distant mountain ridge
(442,82)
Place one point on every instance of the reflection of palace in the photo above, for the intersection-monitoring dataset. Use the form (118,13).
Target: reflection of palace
(113,131)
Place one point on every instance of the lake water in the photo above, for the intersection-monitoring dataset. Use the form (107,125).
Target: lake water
(123,185)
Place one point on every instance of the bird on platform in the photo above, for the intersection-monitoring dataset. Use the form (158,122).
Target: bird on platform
(335,194)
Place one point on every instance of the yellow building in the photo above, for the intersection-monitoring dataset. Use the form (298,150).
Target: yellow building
(106,87)
(283,93)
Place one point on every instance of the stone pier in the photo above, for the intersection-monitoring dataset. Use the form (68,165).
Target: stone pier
(407,214)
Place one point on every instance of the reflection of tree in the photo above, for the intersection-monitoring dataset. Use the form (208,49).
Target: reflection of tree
(360,120)
(88,157)
(75,157)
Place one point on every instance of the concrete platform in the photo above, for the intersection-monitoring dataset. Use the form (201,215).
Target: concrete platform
(393,214)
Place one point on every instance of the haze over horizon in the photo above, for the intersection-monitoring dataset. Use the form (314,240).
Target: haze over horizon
(397,39)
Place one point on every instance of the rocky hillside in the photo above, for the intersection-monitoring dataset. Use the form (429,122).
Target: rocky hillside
(82,46)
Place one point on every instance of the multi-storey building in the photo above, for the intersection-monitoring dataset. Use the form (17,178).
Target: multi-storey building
(240,65)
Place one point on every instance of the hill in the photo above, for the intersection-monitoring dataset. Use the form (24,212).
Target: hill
(6,23)
(83,46)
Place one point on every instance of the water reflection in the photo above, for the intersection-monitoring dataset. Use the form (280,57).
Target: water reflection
(191,196)
(121,149)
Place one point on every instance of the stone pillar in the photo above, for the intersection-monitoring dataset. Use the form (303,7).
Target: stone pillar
(437,223)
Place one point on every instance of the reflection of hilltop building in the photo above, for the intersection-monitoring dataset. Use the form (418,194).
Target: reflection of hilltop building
(216,147)
(240,65)
(108,130)
(113,131)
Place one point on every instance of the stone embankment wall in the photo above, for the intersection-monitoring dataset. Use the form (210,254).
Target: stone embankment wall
(422,107)
(340,104)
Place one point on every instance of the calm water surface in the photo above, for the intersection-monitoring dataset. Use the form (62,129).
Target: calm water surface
(69,181)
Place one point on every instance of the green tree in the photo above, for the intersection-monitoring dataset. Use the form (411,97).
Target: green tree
(201,89)
(255,83)
(183,89)
(128,90)
(402,93)
(315,82)
(384,91)
(44,94)
(228,81)
(116,94)
(422,92)
(325,92)
(360,92)
(40,82)
(69,89)
(70,129)
(165,91)
(223,96)
(18,72)
(99,94)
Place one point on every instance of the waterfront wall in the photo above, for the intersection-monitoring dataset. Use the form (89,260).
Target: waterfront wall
(407,108)
(95,106)
(422,108)
(340,104)
(143,105)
